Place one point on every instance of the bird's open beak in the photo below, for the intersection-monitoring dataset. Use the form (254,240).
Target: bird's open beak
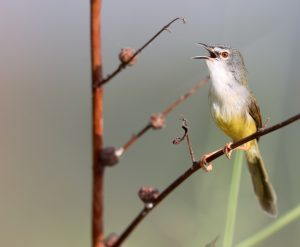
(212,54)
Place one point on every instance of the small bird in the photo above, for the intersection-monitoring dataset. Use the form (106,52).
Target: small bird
(236,112)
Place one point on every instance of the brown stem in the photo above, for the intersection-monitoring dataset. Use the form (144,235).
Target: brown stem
(135,137)
(190,148)
(123,65)
(259,133)
(185,96)
(186,136)
(166,112)
(196,166)
(97,128)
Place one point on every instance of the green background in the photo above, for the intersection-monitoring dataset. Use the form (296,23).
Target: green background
(45,106)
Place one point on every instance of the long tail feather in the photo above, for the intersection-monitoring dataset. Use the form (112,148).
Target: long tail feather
(260,179)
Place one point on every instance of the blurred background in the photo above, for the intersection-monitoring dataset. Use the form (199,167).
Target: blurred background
(45,106)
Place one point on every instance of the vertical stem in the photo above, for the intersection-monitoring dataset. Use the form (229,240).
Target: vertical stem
(233,199)
(97,128)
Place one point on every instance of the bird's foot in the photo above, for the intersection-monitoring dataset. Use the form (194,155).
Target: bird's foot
(228,149)
(204,164)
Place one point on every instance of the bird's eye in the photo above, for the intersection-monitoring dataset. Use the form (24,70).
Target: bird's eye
(224,54)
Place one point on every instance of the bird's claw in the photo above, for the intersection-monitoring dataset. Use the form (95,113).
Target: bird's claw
(228,150)
(204,164)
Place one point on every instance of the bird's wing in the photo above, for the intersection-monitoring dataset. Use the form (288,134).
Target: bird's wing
(254,112)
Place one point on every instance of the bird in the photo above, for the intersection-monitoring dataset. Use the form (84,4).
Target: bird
(236,112)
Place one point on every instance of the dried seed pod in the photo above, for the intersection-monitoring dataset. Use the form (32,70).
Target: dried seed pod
(109,156)
(157,121)
(148,195)
(125,56)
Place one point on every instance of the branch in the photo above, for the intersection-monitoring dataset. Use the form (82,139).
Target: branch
(97,130)
(196,166)
(259,133)
(178,140)
(157,120)
(126,62)
(185,96)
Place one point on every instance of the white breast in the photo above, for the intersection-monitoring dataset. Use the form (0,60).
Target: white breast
(227,97)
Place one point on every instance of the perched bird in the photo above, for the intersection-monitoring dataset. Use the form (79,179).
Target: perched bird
(236,112)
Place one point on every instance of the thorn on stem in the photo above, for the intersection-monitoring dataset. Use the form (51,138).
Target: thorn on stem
(109,156)
(157,121)
(148,195)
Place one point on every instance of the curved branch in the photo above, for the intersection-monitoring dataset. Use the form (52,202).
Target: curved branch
(163,114)
(196,166)
(123,65)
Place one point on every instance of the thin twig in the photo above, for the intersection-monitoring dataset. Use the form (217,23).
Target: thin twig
(135,137)
(185,128)
(123,65)
(165,113)
(185,96)
(196,166)
(97,130)
(259,133)
(190,148)
(178,140)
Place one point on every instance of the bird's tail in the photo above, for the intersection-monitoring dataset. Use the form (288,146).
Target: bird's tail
(262,186)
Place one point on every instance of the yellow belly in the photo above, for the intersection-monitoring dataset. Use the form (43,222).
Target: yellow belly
(237,126)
